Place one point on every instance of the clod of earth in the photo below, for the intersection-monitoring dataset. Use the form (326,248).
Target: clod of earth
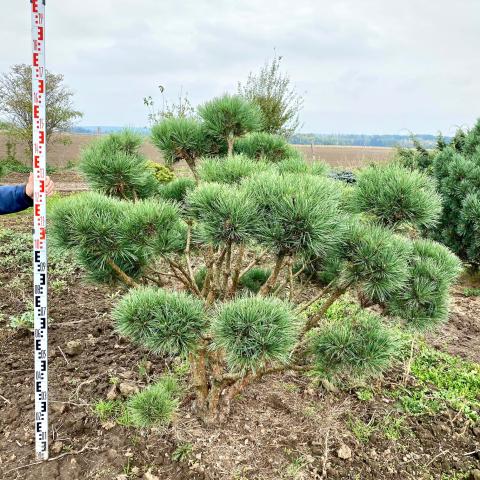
(344,452)
(74,347)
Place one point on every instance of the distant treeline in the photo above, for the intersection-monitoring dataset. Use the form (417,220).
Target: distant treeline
(101,130)
(355,140)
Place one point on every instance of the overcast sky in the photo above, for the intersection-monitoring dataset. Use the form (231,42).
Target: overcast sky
(363,66)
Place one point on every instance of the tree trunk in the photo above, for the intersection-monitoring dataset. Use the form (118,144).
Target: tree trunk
(198,364)
(265,290)
(328,303)
(193,168)
(230,145)
(236,273)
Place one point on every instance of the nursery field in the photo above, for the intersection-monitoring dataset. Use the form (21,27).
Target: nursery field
(248,312)
(63,153)
(286,427)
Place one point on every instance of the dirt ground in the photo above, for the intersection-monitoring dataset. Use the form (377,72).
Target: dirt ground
(283,428)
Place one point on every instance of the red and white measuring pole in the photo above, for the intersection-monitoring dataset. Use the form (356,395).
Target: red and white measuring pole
(39,228)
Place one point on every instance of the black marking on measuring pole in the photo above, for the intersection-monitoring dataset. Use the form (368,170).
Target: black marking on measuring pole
(39,228)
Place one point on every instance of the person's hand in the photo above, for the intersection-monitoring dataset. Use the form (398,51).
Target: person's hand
(49,186)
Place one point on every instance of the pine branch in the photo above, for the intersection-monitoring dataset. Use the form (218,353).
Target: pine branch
(121,274)
(265,290)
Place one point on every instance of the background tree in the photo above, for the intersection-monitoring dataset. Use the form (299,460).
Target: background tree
(16,104)
(454,170)
(179,108)
(272,91)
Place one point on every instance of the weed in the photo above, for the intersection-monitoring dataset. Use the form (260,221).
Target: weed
(143,368)
(443,381)
(393,428)
(365,394)
(454,476)
(456,381)
(310,411)
(182,453)
(361,430)
(23,321)
(107,409)
(57,285)
(181,368)
(295,468)
(125,419)
(471,292)
(290,387)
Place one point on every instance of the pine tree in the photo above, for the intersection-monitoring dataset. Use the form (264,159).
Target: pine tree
(236,242)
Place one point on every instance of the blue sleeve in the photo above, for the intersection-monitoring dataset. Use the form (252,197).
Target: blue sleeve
(13,199)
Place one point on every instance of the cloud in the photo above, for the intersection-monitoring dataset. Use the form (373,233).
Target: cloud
(370,66)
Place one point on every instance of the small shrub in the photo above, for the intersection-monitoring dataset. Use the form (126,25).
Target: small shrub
(255,278)
(153,406)
(162,173)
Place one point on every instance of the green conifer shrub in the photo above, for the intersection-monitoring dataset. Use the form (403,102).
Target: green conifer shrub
(176,190)
(423,303)
(357,346)
(455,170)
(229,245)
(255,278)
(156,405)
